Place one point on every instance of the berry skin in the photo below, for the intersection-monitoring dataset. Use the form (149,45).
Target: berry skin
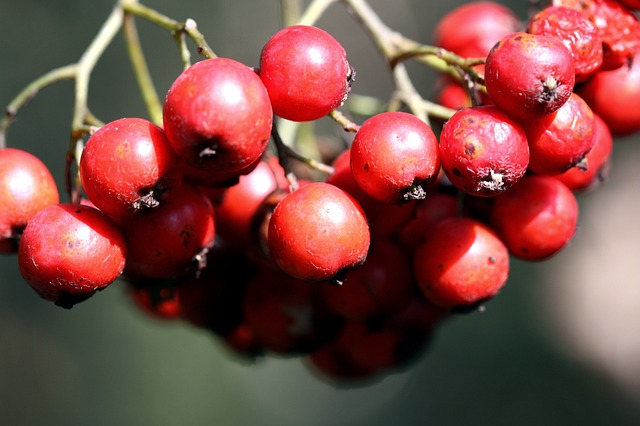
(536,218)
(168,241)
(471,30)
(240,205)
(306,73)
(461,264)
(381,286)
(618,27)
(26,187)
(576,31)
(483,151)
(128,166)
(614,95)
(68,252)
(395,157)
(560,140)
(217,116)
(529,75)
(597,162)
(318,232)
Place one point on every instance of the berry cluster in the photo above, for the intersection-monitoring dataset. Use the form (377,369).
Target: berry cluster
(414,223)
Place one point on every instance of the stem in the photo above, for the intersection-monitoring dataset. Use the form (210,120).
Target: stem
(189,26)
(290,12)
(314,11)
(347,125)
(283,158)
(141,70)
(29,92)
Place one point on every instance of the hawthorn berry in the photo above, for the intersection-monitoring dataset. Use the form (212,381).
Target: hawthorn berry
(483,151)
(67,252)
(618,28)
(395,157)
(597,162)
(471,30)
(529,75)
(461,264)
(306,72)
(169,241)
(578,34)
(381,286)
(561,140)
(385,219)
(536,218)
(26,187)
(318,232)
(614,95)
(128,167)
(217,116)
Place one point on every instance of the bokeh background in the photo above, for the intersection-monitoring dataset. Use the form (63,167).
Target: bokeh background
(559,346)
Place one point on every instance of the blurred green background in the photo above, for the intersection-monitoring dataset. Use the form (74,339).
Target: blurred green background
(105,363)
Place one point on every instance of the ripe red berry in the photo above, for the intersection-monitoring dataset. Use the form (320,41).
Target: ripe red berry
(237,211)
(578,34)
(614,95)
(529,75)
(560,140)
(68,252)
(306,72)
(26,187)
(483,151)
(461,264)
(618,27)
(168,241)
(385,219)
(283,313)
(217,115)
(128,166)
(471,29)
(597,162)
(318,232)
(395,157)
(536,218)
(381,286)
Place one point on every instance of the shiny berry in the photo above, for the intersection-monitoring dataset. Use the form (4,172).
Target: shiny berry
(68,252)
(306,72)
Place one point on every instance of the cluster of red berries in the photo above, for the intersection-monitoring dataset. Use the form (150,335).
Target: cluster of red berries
(355,271)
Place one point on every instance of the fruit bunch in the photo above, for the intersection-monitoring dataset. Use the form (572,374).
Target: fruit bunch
(206,215)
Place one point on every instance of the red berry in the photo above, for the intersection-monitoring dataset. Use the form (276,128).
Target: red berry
(381,286)
(615,96)
(168,241)
(68,252)
(536,218)
(395,157)
(318,232)
(560,140)
(240,205)
(217,116)
(461,264)
(128,166)
(483,151)
(471,30)
(283,312)
(385,219)
(428,213)
(26,187)
(529,75)
(617,26)
(578,34)
(596,164)
(306,73)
